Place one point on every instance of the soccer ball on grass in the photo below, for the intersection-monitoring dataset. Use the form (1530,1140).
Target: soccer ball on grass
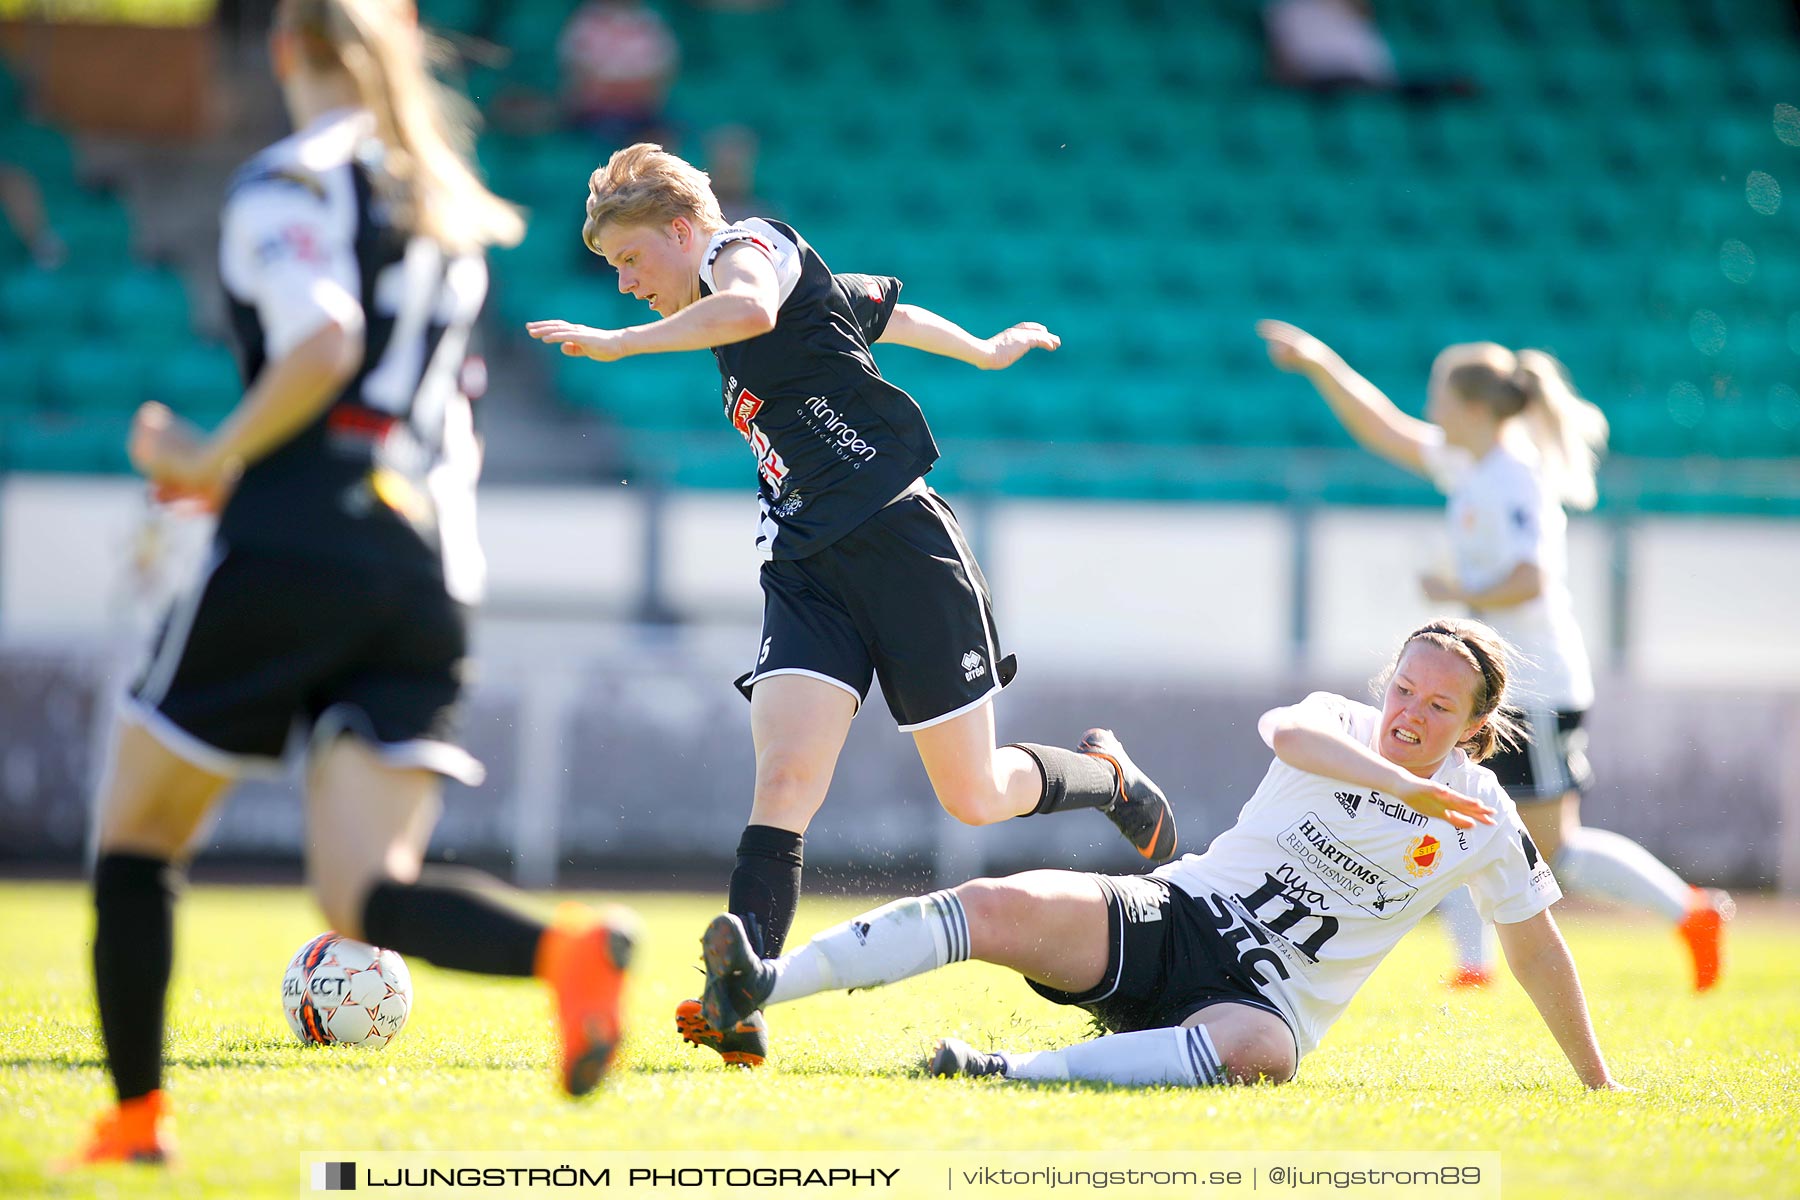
(343,992)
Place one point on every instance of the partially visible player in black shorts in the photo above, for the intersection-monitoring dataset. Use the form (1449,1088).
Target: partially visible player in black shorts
(866,573)
(1550,763)
(333,609)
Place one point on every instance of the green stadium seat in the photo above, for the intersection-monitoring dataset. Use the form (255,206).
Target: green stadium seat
(12,97)
(453,16)
(91,444)
(22,368)
(89,378)
(33,301)
(41,150)
(1579,204)
(200,382)
(148,306)
(530,28)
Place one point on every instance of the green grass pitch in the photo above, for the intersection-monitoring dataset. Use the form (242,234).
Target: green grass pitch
(1410,1066)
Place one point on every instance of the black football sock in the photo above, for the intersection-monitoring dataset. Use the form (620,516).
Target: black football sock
(453,917)
(134,951)
(765,886)
(1071,779)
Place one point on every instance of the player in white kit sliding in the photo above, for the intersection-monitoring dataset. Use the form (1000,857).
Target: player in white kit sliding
(1229,966)
(1510,444)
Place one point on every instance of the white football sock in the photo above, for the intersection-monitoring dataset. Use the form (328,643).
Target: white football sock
(1473,937)
(1176,1057)
(893,942)
(1598,862)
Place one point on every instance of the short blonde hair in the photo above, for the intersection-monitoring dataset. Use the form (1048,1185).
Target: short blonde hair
(646,185)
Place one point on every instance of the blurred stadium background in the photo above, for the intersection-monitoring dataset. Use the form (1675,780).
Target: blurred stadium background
(1177,534)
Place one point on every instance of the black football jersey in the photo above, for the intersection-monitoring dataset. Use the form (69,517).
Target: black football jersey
(385,475)
(833,440)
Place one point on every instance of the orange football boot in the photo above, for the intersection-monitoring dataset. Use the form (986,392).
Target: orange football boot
(584,959)
(1703,930)
(134,1132)
(1470,977)
(745,1046)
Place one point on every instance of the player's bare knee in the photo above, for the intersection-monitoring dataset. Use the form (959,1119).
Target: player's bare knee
(788,780)
(125,835)
(972,803)
(1259,1058)
(991,904)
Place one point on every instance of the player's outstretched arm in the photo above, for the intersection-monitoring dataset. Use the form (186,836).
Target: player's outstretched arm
(743,307)
(1309,742)
(1366,412)
(1540,961)
(924,330)
(288,395)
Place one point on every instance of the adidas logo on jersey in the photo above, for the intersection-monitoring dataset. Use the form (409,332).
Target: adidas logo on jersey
(1348,801)
(973,667)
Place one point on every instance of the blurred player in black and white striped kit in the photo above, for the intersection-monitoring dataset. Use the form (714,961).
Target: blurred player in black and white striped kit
(336,597)
(1509,443)
(866,574)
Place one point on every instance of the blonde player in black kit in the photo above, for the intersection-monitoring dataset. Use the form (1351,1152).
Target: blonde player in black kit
(336,598)
(866,574)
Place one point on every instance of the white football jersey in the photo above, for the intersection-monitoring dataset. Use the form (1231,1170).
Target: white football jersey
(1501,515)
(1319,879)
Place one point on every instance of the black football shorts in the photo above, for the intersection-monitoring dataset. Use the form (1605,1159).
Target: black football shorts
(262,646)
(899,598)
(1551,762)
(1165,961)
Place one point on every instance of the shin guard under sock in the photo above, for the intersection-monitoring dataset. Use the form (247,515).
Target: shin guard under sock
(765,885)
(134,952)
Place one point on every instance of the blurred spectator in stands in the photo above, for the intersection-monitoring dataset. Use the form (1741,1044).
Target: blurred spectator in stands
(731,164)
(22,200)
(1335,45)
(618,62)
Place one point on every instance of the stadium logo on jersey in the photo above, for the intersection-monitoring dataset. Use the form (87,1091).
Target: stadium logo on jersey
(1423,856)
(1397,810)
(973,667)
(790,504)
(1321,856)
(1348,801)
(826,422)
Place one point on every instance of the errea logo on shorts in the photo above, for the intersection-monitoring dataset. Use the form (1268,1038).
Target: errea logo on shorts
(973,667)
